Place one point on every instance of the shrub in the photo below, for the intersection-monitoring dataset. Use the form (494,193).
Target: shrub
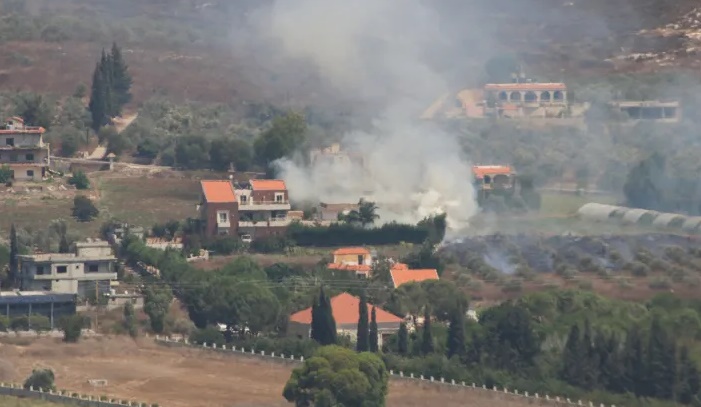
(5,174)
(4,323)
(512,286)
(72,327)
(225,245)
(40,379)
(35,322)
(83,209)
(270,244)
(639,269)
(660,283)
(80,180)
(208,335)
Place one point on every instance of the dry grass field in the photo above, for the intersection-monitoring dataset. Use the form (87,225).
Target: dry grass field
(20,402)
(177,377)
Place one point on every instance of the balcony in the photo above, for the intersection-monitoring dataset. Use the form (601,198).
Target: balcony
(271,223)
(250,205)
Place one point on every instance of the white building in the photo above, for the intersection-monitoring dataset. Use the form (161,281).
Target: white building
(91,266)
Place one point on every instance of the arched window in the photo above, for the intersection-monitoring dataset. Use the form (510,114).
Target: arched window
(515,96)
(545,96)
(531,96)
(503,96)
(557,95)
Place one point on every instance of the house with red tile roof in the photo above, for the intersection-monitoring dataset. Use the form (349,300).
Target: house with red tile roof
(401,274)
(354,259)
(218,208)
(264,208)
(251,210)
(23,150)
(345,309)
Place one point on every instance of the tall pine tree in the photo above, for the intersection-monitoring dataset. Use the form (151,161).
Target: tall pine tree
(110,89)
(688,385)
(590,361)
(456,332)
(571,370)
(427,339)
(362,336)
(373,339)
(634,377)
(403,340)
(323,325)
(14,261)
(121,79)
(661,362)
(98,106)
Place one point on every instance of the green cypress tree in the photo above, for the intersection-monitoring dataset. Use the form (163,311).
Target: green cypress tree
(316,331)
(373,340)
(14,261)
(403,340)
(634,378)
(98,100)
(661,363)
(328,323)
(362,336)
(473,353)
(122,80)
(688,385)
(571,371)
(427,339)
(112,107)
(589,357)
(456,332)
(610,368)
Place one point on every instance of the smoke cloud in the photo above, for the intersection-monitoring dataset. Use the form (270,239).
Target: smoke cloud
(379,51)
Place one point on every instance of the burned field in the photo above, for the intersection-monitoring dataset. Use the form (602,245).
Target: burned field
(638,265)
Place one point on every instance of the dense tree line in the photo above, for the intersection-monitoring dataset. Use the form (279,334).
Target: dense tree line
(646,367)
(110,89)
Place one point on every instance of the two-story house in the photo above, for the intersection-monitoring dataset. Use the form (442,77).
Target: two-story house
(263,206)
(90,268)
(218,208)
(22,148)
(354,259)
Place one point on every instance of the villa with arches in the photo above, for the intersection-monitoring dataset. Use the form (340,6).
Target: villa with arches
(529,99)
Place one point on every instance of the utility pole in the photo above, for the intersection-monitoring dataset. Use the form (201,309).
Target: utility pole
(97,303)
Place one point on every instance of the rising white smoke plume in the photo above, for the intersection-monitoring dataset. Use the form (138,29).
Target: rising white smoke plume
(379,49)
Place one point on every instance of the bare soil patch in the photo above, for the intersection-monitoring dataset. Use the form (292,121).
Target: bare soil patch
(179,377)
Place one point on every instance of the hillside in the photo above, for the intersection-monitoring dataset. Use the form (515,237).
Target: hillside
(212,50)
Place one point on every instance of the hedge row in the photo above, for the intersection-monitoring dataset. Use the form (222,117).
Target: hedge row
(348,235)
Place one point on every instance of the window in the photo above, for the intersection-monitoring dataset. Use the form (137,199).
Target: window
(223,217)
(40,270)
(29,157)
(279,198)
(93,268)
(244,199)
(13,158)
(30,173)
(360,259)
(62,269)
(223,232)
(10,142)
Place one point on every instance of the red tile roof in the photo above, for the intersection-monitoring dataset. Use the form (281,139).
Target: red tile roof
(402,276)
(218,191)
(268,185)
(481,170)
(345,311)
(525,86)
(358,268)
(350,250)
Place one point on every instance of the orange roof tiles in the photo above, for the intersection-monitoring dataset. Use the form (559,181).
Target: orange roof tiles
(345,311)
(482,170)
(350,250)
(402,276)
(268,185)
(218,191)
(358,268)
(399,266)
(525,86)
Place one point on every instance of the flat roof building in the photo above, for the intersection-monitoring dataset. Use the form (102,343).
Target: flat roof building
(14,304)
(90,268)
